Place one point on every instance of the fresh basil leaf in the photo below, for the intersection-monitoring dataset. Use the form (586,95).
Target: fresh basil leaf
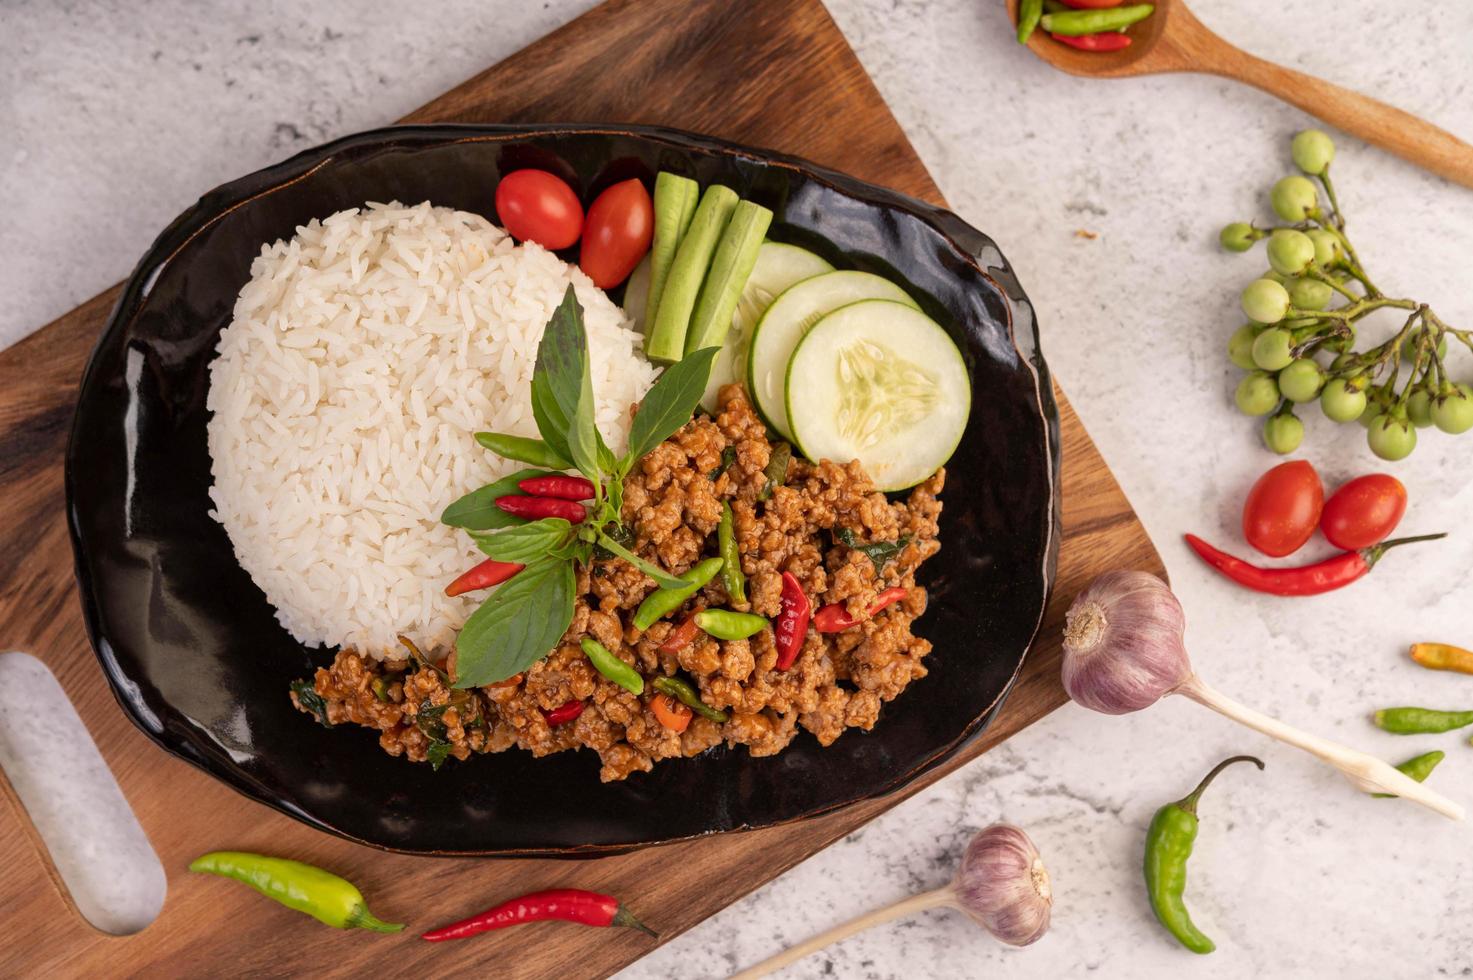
(551,422)
(562,365)
(526,543)
(430,719)
(663,578)
(517,626)
(311,701)
(436,754)
(776,472)
(477,510)
(879,552)
(670,403)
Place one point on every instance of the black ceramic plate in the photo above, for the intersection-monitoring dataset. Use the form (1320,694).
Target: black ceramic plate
(197,660)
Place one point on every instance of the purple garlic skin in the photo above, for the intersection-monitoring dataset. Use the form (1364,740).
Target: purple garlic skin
(1003,885)
(1124,646)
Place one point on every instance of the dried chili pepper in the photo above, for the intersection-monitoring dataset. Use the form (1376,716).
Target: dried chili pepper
(1325,576)
(1108,41)
(835,618)
(564,713)
(536,508)
(1169,842)
(562,487)
(681,636)
(321,894)
(488,573)
(792,622)
(563,904)
(1443,656)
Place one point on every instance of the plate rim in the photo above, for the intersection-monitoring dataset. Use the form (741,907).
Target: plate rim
(219,201)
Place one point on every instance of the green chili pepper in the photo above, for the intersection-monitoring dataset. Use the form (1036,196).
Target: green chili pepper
(1029,11)
(1168,847)
(1418,767)
(380,689)
(1421,721)
(321,894)
(727,625)
(731,568)
(523,450)
(662,602)
(775,472)
(686,695)
(612,667)
(1073,23)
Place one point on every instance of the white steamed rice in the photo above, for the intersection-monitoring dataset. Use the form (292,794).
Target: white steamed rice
(363,355)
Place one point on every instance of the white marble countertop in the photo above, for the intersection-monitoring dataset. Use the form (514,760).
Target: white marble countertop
(116,116)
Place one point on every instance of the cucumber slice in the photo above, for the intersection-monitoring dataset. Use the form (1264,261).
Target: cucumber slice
(786,321)
(779,266)
(730,268)
(665,338)
(675,205)
(882,383)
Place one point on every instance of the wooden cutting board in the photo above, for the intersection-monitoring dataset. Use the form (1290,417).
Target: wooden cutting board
(777,74)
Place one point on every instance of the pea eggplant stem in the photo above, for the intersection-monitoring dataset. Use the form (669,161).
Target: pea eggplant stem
(1366,772)
(945,895)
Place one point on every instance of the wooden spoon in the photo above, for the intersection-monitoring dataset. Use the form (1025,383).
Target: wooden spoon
(1172,39)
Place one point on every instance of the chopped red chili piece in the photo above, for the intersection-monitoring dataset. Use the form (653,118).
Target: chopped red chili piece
(1107,41)
(564,713)
(681,636)
(792,622)
(834,618)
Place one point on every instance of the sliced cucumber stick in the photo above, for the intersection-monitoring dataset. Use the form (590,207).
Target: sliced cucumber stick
(785,322)
(675,205)
(779,266)
(730,267)
(880,382)
(665,339)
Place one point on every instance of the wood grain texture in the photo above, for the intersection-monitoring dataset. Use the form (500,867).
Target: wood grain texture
(1173,39)
(776,74)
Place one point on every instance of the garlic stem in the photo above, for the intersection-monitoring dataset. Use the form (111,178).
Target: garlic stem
(1367,772)
(906,906)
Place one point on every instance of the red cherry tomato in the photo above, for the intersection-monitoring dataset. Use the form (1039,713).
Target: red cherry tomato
(536,206)
(1283,508)
(621,222)
(1092,4)
(1364,511)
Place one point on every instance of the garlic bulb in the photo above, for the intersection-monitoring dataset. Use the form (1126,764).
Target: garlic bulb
(1002,884)
(1124,650)
(1124,645)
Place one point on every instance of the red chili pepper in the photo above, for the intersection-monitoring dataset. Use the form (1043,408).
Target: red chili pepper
(1105,41)
(564,904)
(834,618)
(565,487)
(564,713)
(1325,576)
(536,508)
(792,622)
(1092,4)
(488,573)
(681,636)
